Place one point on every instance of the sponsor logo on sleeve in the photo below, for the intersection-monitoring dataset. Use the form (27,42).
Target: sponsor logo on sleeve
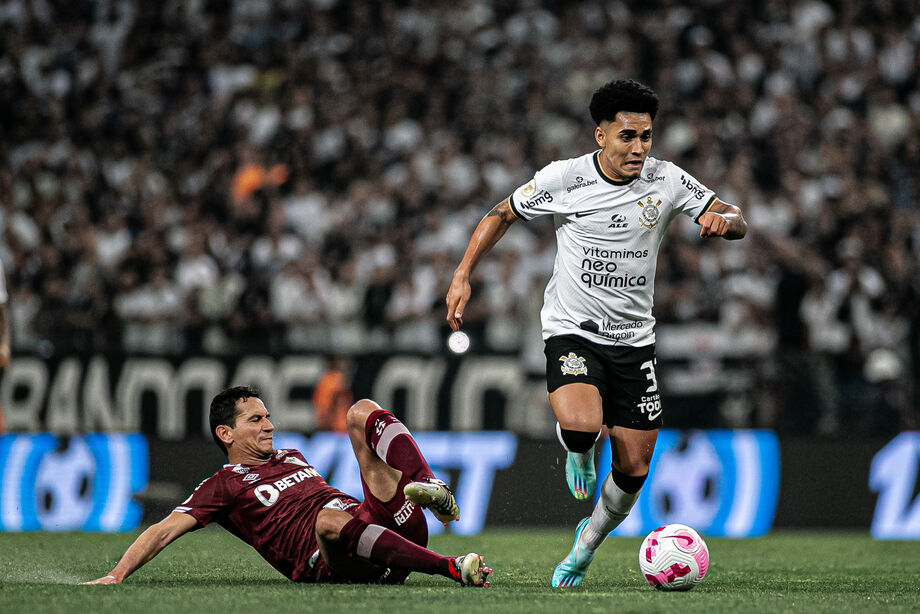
(542,198)
(252,477)
(693,187)
(530,189)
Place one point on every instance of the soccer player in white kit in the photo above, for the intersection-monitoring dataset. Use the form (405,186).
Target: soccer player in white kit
(611,208)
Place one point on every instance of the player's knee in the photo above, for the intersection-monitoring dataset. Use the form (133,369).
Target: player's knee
(328,526)
(631,468)
(358,413)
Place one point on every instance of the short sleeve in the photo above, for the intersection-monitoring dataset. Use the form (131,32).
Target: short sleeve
(691,198)
(542,195)
(208,500)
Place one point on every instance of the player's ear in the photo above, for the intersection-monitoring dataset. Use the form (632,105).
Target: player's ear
(224,434)
(600,136)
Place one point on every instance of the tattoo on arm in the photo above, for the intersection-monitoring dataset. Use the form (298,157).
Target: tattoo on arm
(503,210)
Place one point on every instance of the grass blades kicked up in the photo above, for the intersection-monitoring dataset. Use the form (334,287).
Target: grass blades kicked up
(211,571)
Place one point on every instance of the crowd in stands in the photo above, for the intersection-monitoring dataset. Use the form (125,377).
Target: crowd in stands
(229,176)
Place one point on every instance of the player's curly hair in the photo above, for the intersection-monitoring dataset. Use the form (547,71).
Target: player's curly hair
(224,410)
(622,95)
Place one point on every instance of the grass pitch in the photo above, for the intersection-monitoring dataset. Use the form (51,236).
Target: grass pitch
(211,571)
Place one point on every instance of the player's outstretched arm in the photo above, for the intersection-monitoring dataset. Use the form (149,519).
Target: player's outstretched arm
(147,545)
(489,230)
(723,220)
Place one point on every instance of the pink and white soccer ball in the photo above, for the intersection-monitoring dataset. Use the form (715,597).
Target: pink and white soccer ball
(674,558)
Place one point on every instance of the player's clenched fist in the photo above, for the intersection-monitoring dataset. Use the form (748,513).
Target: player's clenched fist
(713,225)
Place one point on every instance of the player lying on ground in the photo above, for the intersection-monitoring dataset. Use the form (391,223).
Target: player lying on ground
(310,532)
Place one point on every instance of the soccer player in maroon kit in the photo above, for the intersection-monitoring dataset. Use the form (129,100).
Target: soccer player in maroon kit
(310,532)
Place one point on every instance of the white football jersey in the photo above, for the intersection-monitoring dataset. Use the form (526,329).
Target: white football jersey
(607,238)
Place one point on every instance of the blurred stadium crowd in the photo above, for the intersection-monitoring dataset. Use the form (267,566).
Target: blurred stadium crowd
(246,176)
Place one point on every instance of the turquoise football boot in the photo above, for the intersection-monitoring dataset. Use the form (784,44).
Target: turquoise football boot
(580,475)
(571,571)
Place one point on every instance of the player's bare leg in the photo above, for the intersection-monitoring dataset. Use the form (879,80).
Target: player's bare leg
(632,452)
(632,449)
(579,414)
(385,450)
(381,478)
(360,551)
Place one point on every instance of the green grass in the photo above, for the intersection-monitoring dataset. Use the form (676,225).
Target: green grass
(210,571)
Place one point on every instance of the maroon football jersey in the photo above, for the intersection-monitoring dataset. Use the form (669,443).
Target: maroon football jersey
(271,507)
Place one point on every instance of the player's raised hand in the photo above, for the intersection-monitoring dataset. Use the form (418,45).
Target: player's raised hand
(713,225)
(457,297)
(104,580)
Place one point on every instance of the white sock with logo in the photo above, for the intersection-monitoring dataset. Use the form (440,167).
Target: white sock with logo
(612,508)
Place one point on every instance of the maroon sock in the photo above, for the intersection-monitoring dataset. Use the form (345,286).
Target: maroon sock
(393,443)
(389,549)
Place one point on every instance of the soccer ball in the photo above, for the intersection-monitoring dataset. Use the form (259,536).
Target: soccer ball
(674,558)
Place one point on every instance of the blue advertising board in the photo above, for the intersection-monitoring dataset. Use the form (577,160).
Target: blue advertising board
(893,475)
(472,457)
(85,483)
(722,483)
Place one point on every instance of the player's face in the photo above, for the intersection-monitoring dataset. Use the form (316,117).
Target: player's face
(624,143)
(252,434)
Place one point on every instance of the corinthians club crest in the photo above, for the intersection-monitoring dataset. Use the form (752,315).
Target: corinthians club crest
(650,212)
(573,365)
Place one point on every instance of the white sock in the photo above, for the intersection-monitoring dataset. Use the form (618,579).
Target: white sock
(611,509)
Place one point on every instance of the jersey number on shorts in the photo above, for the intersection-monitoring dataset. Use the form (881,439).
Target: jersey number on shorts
(650,365)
